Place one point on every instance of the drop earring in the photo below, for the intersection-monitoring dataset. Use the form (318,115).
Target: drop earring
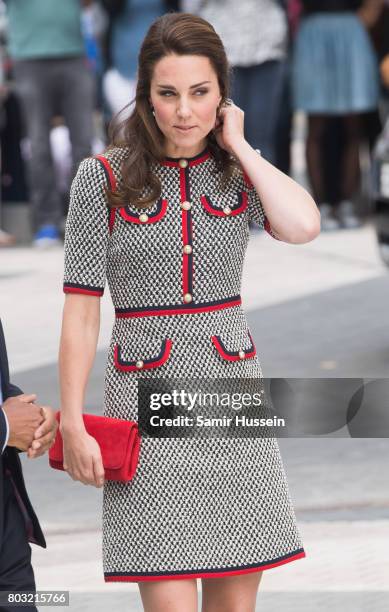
(152,110)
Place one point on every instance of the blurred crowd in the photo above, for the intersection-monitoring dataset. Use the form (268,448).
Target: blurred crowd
(67,68)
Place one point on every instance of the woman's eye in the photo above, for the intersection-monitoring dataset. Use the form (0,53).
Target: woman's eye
(167,94)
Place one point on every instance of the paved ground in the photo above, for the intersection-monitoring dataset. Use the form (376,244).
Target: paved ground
(315,310)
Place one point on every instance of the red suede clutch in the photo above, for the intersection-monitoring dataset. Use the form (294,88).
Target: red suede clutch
(119,443)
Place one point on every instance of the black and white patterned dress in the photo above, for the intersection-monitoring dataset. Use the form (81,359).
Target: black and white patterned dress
(195,507)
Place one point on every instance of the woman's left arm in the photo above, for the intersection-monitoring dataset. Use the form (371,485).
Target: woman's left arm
(289,208)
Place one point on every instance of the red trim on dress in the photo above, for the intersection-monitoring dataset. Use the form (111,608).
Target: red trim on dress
(112,184)
(185,234)
(111,222)
(219,212)
(185,256)
(147,364)
(221,574)
(184,309)
(152,218)
(233,355)
(199,160)
(107,166)
(175,164)
(84,291)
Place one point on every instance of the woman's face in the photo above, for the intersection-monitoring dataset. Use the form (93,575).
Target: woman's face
(185,94)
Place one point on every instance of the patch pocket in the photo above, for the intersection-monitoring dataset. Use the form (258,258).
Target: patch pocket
(142,357)
(229,351)
(145,216)
(226,206)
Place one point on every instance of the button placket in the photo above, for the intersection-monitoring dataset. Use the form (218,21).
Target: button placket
(186,225)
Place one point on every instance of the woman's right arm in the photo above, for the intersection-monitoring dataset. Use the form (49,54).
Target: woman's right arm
(86,244)
(80,330)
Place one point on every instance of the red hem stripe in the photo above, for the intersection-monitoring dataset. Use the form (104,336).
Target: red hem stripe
(175,311)
(259,568)
(85,291)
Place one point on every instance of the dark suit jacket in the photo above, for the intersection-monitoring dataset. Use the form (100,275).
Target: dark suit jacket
(9,459)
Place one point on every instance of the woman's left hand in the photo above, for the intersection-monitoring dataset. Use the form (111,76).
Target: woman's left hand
(229,127)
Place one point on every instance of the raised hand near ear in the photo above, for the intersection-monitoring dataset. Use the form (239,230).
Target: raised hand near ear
(229,127)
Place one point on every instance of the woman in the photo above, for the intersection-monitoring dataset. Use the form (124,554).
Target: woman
(171,243)
(335,74)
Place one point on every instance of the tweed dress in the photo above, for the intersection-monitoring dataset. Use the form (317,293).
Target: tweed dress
(195,507)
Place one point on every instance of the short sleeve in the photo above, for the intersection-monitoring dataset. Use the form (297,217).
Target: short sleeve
(87,231)
(256,212)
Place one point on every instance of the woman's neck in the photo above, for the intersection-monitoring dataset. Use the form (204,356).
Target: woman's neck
(171,150)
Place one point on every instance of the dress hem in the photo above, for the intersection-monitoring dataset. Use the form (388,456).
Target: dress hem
(206,573)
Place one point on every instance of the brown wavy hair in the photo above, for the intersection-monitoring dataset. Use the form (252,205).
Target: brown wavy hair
(172,33)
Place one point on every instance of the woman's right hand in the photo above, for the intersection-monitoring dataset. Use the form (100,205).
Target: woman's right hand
(82,458)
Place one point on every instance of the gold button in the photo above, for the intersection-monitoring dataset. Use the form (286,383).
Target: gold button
(139,364)
(227,210)
(242,354)
(143,218)
(186,205)
(183,163)
(187,298)
(187,249)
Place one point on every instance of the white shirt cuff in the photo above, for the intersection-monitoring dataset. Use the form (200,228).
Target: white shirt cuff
(6,433)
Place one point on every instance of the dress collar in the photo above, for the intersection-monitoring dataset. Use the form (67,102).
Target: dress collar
(183,162)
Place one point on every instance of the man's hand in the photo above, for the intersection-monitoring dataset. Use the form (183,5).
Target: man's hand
(44,436)
(24,418)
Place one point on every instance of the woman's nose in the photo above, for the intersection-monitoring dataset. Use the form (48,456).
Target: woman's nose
(183,109)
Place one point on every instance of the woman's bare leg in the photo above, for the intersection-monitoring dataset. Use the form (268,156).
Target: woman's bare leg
(230,594)
(169,595)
